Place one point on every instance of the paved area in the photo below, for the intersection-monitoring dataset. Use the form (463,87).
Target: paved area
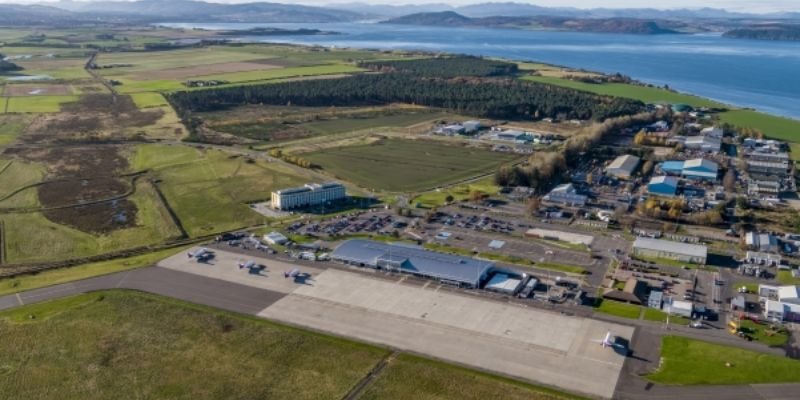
(523,342)
(225,267)
(179,285)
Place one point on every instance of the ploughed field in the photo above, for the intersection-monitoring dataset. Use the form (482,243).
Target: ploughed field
(406,165)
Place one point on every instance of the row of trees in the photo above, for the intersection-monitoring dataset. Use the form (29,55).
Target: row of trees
(447,67)
(499,99)
(292,159)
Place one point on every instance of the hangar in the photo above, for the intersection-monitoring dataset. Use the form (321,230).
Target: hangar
(445,268)
(623,166)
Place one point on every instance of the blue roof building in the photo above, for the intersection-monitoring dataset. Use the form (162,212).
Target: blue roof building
(445,268)
(665,186)
(672,167)
(698,168)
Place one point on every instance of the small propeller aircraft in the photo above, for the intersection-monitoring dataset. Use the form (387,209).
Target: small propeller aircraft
(608,341)
(201,255)
(291,274)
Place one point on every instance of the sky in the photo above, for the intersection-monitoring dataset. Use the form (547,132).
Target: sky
(732,5)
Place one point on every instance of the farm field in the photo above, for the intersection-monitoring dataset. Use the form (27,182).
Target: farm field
(693,362)
(38,104)
(772,126)
(119,339)
(342,125)
(434,380)
(210,189)
(14,176)
(642,93)
(405,165)
(11,126)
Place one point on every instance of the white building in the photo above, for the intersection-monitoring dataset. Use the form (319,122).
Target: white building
(781,303)
(707,144)
(623,166)
(762,258)
(686,252)
(308,195)
(567,195)
(761,241)
(275,238)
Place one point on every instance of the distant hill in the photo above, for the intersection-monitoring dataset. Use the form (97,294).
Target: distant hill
(785,32)
(189,11)
(608,25)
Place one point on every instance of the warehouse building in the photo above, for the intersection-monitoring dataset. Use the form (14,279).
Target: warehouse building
(761,241)
(703,143)
(686,252)
(623,166)
(308,195)
(698,168)
(444,268)
(664,186)
(565,195)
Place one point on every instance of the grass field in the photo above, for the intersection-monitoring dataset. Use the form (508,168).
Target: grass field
(153,225)
(651,314)
(642,93)
(104,345)
(410,377)
(15,175)
(786,278)
(765,334)
(71,274)
(283,73)
(438,198)
(772,126)
(692,362)
(619,309)
(342,125)
(209,190)
(402,165)
(147,100)
(38,104)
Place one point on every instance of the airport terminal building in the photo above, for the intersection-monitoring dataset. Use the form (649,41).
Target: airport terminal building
(309,195)
(459,271)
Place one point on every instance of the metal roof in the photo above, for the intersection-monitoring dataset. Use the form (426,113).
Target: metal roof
(625,163)
(414,260)
(707,165)
(664,180)
(694,250)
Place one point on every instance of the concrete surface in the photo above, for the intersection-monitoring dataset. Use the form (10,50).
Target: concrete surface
(531,344)
(225,267)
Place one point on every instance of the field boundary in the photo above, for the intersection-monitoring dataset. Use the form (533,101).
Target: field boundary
(170,211)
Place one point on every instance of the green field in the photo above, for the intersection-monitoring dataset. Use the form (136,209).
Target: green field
(342,125)
(619,309)
(11,126)
(772,126)
(765,333)
(14,175)
(38,104)
(63,242)
(410,377)
(651,314)
(126,344)
(786,278)
(209,190)
(404,165)
(693,362)
(147,100)
(642,93)
(270,74)
(438,198)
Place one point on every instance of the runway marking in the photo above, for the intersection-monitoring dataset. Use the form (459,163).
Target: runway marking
(19,299)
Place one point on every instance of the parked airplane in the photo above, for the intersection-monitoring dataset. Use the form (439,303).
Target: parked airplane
(249,265)
(608,341)
(199,252)
(291,274)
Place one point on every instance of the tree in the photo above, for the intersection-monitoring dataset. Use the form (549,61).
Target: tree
(647,167)
(449,198)
(533,205)
(477,196)
(589,178)
(729,181)
(640,138)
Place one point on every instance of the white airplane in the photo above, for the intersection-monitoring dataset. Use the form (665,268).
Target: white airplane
(291,274)
(608,341)
(249,265)
(199,253)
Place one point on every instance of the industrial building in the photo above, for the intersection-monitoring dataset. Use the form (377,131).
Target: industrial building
(623,166)
(566,195)
(308,195)
(504,283)
(679,307)
(781,303)
(761,241)
(275,238)
(634,292)
(664,186)
(450,269)
(703,143)
(698,168)
(686,252)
